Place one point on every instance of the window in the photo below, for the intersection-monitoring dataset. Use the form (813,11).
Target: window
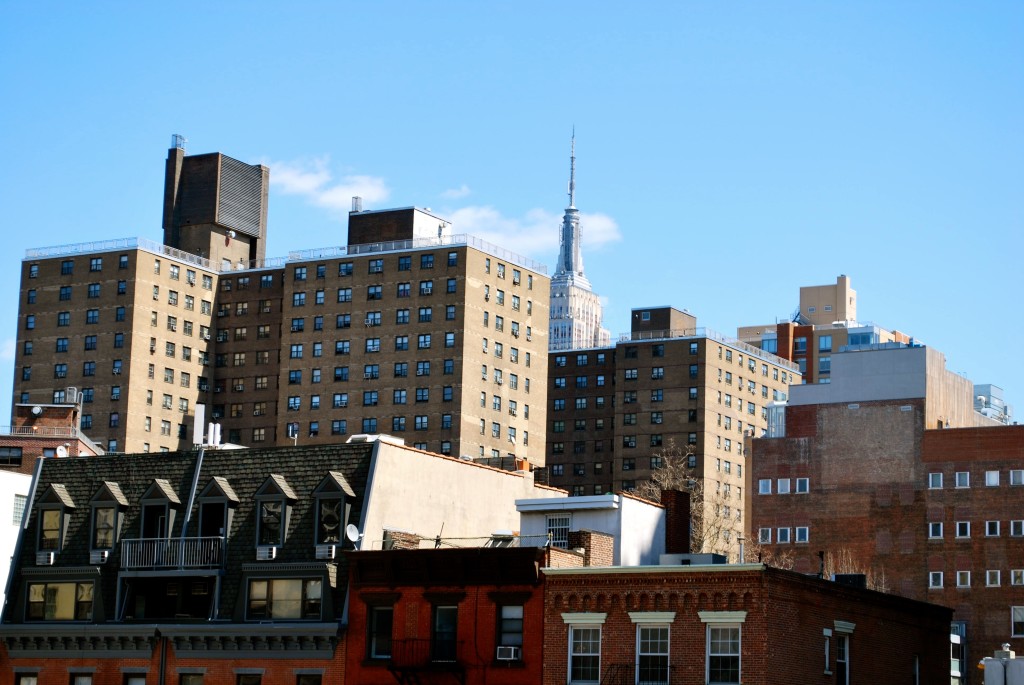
(1017,528)
(992,578)
(558,530)
(783,485)
(59,602)
(380,625)
(934,481)
(782,536)
(991,478)
(584,653)
(1017,477)
(285,598)
(934,530)
(426,287)
(963,479)
(723,653)
(802,533)
(1017,621)
(935,579)
(963,529)
(963,578)
(1017,576)
(764,486)
(802,486)
(652,654)
(764,536)
(991,529)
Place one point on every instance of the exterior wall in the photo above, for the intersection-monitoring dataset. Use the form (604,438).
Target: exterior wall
(173,352)
(781,614)
(414,491)
(871,507)
(475,586)
(140,343)
(12,487)
(823,304)
(636,526)
(672,396)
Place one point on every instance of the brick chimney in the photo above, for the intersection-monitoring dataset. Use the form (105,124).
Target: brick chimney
(677,521)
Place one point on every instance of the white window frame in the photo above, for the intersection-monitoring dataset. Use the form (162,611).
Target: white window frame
(992,529)
(1016,618)
(802,534)
(963,479)
(783,536)
(935,530)
(966,527)
(1016,476)
(1017,576)
(583,621)
(1017,528)
(993,578)
(992,479)
(722,620)
(657,620)
(764,536)
(764,486)
(963,578)
(935,580)
(935,480)
(783,485)
(803,486)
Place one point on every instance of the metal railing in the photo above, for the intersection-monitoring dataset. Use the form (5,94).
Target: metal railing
(425,653)
(162,553)
(294,256)
(40,431)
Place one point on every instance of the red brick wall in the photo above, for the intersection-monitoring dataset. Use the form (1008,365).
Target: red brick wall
(782,635)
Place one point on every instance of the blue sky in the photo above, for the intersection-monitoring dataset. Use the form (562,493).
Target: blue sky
(727,153)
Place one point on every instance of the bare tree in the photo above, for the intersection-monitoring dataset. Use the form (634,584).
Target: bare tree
(715,515)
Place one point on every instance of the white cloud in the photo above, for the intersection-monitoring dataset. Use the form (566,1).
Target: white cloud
(7,348)
(536,233)
(314,181)
(456,193)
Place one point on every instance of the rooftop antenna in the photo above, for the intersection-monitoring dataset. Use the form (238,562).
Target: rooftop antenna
(572,170)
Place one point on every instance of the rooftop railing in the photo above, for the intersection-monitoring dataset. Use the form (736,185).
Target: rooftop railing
(39,431)
(294,256)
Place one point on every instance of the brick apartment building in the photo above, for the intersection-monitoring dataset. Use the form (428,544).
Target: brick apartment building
(889,469)
(613,412)
(406,329)
(734,623)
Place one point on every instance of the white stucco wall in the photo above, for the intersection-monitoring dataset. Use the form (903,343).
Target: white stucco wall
(638,528)
(418,492)
(11,484)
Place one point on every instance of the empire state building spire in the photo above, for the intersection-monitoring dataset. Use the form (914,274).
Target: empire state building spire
(576,311)
(570,256)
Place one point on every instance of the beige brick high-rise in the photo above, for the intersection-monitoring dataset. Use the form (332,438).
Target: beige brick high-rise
(407,329)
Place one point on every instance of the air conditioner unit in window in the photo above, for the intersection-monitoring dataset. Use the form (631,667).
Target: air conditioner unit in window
(515,334)
(498,381)
(507,653)
(206,337)
(99,556)
(266,553)
(45,558)
(326,551)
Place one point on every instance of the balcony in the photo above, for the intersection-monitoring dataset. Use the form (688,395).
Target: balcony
(411,658)
(172,553)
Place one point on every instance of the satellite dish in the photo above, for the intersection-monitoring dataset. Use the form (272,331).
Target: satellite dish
(37,410)
(62,451)
(352,533)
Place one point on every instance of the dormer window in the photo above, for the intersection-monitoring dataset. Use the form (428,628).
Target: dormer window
(217,503)
(108,505)
(159,506)
(273,507)
(54,507)
(334,497)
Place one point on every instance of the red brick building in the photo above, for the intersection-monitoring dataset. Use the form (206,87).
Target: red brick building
(445,615)
(734,623)
(869,473)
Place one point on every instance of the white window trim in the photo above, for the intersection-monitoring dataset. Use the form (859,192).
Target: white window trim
(941,578)
(664,617)
(583,619)
(721,616)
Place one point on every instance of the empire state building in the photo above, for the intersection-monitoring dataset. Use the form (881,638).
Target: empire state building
(576,311)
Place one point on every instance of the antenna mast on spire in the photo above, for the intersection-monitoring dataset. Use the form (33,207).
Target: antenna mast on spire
(572,171)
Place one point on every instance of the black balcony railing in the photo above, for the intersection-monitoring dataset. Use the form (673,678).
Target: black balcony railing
(164,553)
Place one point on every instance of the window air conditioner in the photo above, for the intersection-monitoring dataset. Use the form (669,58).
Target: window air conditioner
(326,551)
(99,556)
(507,653)
(498,381)
(206,337)
(266,553)
(45,558)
